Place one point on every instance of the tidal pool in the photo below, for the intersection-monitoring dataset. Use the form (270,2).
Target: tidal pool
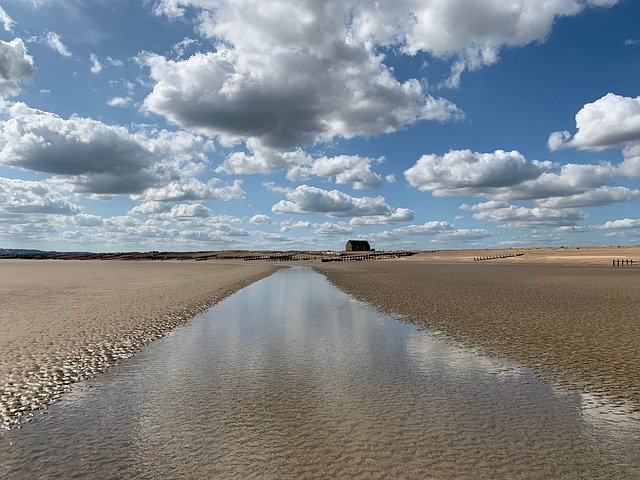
(292,378)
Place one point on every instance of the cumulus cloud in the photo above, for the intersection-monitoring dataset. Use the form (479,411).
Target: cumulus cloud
(186,211)
(22,197)
(300,166)
(192,189)
(624,223)
(612,120)
(15,65)
(55,42)
(285,74)
(463,172)
(427,228)
(6,20)
(397,216)
(325,229)
(506,176)
(514,216)
(260,219)
(591,198)
(307,199)
(343,169)
(94,157)
(469,32)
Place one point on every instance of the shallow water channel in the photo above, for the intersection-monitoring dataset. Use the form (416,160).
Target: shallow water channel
(291,378)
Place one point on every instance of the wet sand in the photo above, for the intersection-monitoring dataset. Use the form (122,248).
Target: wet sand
(64,321)
(291,378)
(579,326)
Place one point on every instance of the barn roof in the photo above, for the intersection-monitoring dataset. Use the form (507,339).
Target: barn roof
(358,242)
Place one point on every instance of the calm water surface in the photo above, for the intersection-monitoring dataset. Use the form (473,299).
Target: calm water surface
(291,378)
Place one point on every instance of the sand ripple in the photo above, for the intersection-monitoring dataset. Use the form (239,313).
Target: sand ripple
(72,320)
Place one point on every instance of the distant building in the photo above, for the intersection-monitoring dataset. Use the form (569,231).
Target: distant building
(357,246)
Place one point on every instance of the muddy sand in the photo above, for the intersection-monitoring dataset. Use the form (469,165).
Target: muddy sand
(63,321)
(577,325)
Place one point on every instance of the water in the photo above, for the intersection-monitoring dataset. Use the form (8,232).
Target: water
(291,378)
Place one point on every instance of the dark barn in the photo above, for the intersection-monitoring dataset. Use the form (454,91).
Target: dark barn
(357,246)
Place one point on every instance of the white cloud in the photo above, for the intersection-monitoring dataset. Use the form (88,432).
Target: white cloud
(119,101)
(187,211)
(285,74)
(93,157)
(343,169)
(307,199)
(463,172)
(428,228)
(571,179)
(324,229)
(183,45)
(55,42)
(612,120)
(96,66)
(115,62)
(470,32)
(24,197)
(623,224)
(6,20)
(15,65)
(192,189)
(262,160)
(590,198)
(397,216)
(490,205)
(300,166)
(506,176)
(514,216)
(260,219)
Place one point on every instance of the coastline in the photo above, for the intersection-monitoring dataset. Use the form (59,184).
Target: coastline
(579,326)
(65,321)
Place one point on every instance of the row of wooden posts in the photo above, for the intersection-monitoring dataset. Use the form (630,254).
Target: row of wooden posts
(494,257)
(617,262)
(358,257)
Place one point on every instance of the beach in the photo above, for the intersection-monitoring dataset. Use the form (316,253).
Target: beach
(575,324)
(64,321)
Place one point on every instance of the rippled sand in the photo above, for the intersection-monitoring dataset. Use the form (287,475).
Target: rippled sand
(63,321)
(579,326)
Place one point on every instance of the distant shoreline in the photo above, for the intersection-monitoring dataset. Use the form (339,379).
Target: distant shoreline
(589,255)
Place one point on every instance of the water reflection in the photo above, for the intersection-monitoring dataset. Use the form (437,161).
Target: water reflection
(292,378)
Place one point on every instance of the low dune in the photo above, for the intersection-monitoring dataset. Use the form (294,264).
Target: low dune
(63,321)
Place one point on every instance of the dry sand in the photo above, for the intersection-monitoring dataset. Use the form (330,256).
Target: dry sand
(579,326)
(601,256)
(63,321)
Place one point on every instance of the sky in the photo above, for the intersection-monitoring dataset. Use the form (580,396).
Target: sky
(300,124)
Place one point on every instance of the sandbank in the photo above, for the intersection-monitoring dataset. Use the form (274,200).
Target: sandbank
(577,325)
(63,321)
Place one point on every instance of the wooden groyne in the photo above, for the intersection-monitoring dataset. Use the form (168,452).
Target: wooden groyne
(359,257)
(619,262)
(495,257)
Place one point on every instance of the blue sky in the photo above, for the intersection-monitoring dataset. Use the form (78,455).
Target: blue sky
(298,124)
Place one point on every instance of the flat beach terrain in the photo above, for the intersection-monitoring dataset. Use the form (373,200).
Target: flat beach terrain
(62,321)
(578,325)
